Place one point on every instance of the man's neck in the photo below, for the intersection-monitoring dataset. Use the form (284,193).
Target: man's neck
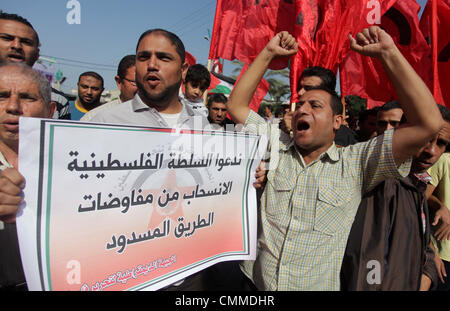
(171,106)
(87,106)
(310,156)
(11,154)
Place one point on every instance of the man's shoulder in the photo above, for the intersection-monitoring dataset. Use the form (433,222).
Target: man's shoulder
(90,114)
(114,110)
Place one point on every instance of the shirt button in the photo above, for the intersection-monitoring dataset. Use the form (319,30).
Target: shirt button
(295,217)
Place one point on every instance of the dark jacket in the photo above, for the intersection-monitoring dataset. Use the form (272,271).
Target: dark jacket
(387,235)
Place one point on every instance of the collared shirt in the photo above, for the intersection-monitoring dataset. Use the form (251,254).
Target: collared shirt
(307,210)
(136,112)
(91,113)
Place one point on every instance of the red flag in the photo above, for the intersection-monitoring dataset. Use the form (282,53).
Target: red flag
(322,31)
(243,28)
(365,77)
(435,26)
(190,59)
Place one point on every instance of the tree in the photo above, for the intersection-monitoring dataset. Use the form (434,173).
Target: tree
(278,80)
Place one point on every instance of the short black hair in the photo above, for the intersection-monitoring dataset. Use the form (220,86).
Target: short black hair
(326,75)
(364,115)
(335,102)
(20,19)
(179,46)
(393,104)
(91,74)
(216,97)
(198,74)
(126,62)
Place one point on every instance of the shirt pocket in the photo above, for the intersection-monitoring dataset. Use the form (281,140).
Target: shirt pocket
(331,215)
(280,192)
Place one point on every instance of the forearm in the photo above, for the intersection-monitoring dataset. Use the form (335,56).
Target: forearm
(434,203)
(414,96)
(243,91)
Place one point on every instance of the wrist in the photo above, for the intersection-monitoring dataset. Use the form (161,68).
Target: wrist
(389,54)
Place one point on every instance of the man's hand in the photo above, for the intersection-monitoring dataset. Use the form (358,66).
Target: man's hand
(261,176)
(440,267)
(442,233)
(282,44)
(442,214)
(372,42)
(286,122)
(11,185)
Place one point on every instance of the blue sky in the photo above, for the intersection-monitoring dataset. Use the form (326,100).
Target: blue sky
(110,29)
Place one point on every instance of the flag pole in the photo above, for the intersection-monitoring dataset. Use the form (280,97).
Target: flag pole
(205,96)
(212,43)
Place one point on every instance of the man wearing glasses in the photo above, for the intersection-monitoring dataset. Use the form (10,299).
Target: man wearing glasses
(126,83)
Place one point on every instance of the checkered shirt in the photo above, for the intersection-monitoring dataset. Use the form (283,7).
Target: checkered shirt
(307,210)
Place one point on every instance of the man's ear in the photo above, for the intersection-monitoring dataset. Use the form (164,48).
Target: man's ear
(337,121)
(51,109)
(184,69)
(36,56)
(118,81)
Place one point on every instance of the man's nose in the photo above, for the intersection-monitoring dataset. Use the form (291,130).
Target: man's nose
(152,63)
(16,44)
(13,104)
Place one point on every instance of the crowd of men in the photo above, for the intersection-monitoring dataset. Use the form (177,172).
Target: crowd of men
(344,209)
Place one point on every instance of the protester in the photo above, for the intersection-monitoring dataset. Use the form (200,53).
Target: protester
(196,82)
(389,116)
(90,89)
(269,114)
(23,93)
(126,83)
(160,64)
(314,77)
(438,195)
(311,197)
(392,229)
(19,43)
(367,123)
(217,110)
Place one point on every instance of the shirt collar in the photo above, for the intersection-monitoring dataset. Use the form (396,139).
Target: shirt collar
(332,152)
(138,104)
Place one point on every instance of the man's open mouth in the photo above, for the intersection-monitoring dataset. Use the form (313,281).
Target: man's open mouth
(302,126)
(16,57)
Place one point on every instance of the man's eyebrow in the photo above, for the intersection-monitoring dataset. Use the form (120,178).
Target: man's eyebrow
(13,36)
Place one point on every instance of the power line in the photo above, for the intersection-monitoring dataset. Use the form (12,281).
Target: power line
(82,66)
(186,20)
(80,62)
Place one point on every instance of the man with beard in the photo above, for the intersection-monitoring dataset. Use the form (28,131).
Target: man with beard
(90,88)
(125,80)
(160,64)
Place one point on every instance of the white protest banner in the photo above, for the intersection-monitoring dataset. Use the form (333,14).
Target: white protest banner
(131,208)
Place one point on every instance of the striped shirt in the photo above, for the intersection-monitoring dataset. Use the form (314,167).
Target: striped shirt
(307,210)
